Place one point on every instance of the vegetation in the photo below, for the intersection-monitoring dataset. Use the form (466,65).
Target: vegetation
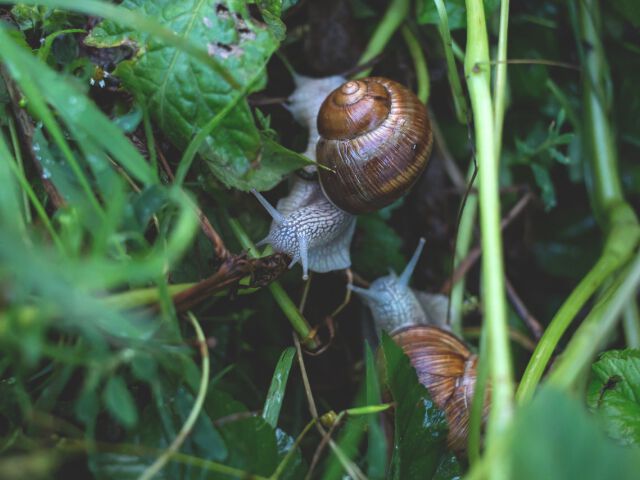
(143,335)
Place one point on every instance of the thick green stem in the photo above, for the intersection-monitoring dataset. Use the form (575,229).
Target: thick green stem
(615,215)
(393,18)
(477,72)
(587,340)
(599,138)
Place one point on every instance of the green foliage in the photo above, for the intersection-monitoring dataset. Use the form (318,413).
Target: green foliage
(554,438)
(426,12)
(183,95)
(614,394)
(378,241)
(420,449)
(99,369)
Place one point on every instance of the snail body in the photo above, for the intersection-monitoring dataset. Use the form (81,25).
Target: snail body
(443,363)
(373,137)
(375,140)
(309,229)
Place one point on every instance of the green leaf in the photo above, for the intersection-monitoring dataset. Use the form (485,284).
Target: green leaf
(119,402)
(554,438)
(377,442)
(275,397)
(614,394)
(183,94)
(253,444)
(420,449)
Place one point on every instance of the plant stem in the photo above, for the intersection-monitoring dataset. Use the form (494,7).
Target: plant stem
(477,404)
(459,101)
(464,237)
(586,342)
(393,18)
(500,86)
(419,63)
(599,137)
(477,73)
(615,215)
(298,322)
(559,324)
(631,324)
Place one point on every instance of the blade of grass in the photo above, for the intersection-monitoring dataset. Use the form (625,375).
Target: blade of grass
(275,396)
(14,56)
(459,100)
(26,188)
(395,14)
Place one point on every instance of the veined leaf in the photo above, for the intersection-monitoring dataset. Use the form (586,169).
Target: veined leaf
(183,94)
(614,393)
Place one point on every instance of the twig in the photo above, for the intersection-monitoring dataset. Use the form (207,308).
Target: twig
(162,460)
(474,254)
(350,467)
(321,446)
(233,269)
(521,309)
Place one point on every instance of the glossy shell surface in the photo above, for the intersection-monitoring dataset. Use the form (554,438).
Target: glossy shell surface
(375,141)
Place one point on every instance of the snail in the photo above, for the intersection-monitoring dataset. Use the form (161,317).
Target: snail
(373,117)
(314,233)
(443,363)
(375,140)
(306,226)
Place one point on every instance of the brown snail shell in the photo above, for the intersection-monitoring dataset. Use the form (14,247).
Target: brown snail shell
(375,140)
(447,368)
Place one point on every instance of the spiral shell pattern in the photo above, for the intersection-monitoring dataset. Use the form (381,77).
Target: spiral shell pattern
(375,140)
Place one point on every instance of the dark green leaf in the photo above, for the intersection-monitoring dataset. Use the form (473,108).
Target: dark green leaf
(554,438)
(629,9)
(420,449)
(377,442)
(614,393)
(119,402)
(378,241)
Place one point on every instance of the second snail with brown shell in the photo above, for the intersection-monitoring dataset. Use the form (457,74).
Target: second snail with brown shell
(417,323)
(372,141)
